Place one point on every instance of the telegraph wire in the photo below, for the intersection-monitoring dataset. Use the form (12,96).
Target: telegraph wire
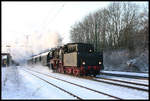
(53,19)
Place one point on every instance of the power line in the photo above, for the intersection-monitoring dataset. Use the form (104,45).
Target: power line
(54,16)
(58,11)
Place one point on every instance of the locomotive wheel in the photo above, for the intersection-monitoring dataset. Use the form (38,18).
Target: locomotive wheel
(69,71)
(76,72)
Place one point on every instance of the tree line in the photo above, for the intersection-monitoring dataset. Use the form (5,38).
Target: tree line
(122,25)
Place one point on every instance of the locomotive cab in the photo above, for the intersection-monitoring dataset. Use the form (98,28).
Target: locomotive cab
(80,58)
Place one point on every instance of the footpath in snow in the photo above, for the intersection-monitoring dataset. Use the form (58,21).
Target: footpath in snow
(17,84)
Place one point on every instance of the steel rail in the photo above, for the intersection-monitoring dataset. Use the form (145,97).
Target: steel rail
(121,85)
(79,85)
(92,78)
(123,81)
(55,85)
(126,76)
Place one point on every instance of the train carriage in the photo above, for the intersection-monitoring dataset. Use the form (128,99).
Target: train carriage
(45,58)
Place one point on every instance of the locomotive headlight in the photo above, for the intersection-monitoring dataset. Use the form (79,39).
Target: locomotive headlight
(83,63)
(100,62)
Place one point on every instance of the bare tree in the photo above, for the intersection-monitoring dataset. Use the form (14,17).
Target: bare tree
(113,27)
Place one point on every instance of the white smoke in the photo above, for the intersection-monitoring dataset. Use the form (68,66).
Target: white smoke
(34,44)
(43,41)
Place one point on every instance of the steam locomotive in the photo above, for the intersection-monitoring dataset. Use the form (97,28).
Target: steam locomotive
(73,58)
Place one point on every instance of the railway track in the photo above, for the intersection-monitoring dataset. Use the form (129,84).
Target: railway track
(99,92)
(125,83)
(126,76)
(55,86)
(140,84)
(117,83)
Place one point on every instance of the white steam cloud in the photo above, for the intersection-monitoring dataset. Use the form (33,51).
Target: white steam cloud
(44,41)
(34,44)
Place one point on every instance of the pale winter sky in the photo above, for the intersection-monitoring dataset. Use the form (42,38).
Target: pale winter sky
(35,26)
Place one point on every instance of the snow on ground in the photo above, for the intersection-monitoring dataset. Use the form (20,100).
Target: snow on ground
(81,92)
(127,73)
(131,85)
(44,89)
(13,86)
(125,79)
(120,92)
(18,84)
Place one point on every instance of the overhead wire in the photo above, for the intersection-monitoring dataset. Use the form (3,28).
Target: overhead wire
(53,19)
(46,27)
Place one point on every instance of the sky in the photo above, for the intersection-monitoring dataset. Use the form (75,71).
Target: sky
(28,26)
(35,26)
(27,18)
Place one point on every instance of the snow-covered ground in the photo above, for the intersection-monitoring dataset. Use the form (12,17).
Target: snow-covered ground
(127,73)
(140,81)
(126,84)
(19,84)
(14,86)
